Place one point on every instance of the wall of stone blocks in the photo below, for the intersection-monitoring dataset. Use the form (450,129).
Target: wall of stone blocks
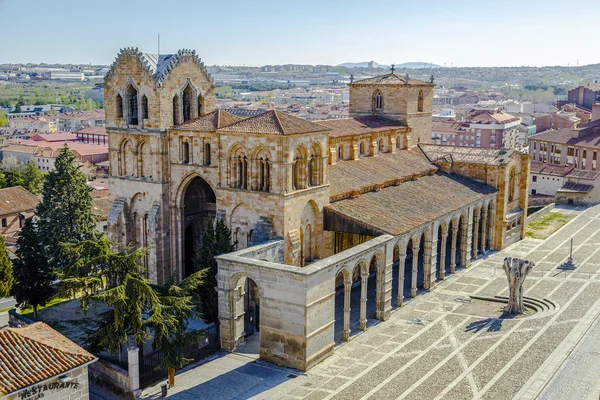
(81,392)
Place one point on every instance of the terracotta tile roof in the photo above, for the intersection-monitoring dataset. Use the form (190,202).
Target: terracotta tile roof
(347,177)
(55,137)
(538,167)
(96,130)
(210,122)
(16,199)
(35,353)
(359,125)
(390,79)
(19,148)
(469,155)
(585,136)
(274,122)
(414,203)
(443,125)
(497,117)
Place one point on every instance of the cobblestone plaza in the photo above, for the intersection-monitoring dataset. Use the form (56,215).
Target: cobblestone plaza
(440,346)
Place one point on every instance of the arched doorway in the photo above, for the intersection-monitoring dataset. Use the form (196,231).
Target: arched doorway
(199,203)
(251,308)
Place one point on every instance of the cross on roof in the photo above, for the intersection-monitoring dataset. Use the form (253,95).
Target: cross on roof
(392,68)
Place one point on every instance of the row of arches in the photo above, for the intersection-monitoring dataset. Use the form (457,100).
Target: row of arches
(186,154)
(250,170)
(187,105)
(135,160)
(377,101)
(365,147)
(307,167)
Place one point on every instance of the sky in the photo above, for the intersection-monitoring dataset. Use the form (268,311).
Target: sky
(258,32)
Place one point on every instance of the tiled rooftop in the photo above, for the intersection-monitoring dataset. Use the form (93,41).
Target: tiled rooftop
(210,122)
(471,155)
(413,202)
(390,79)
(359,125)
(35,353)
(586,136)
(16,199)
(350,176)
(274,123)
(574,187)
(538,167)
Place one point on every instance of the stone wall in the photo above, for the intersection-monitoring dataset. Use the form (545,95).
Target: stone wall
(540,213)
(53,389)
(109,376)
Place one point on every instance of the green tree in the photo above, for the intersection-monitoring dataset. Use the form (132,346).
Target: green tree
(14,178)
(216,240)
(18,106)
(6,270)
(33,178)
(3,119)
(65,213)
(33,276)
(3,182)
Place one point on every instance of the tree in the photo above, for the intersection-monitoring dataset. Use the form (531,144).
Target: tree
(65,213)
(216,240)
(33,178)
(138,309)
(33,276)
(3,119)
(516,271)
(3,182)
(18,107)
(14,178)
(6,270)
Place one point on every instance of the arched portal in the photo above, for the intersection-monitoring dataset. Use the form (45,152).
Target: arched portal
(199,202)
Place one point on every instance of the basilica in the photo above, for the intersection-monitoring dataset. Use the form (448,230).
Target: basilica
(321,212)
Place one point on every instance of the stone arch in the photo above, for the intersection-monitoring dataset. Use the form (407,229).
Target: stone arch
(340,152)
(377,101)
(299,168)
(238,166)
(246,295)
(127,158)
(362,149)
(420,101)
(207,154)
(442,266)
(315,165)
(188,104)
(377,266)
(381,145)
(310,231)
(261,168)
(145,159)
(239,223)
(119,106)
(185,151)
(131,102)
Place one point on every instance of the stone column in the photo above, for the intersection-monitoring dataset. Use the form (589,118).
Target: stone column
(475,233)
(415,268)
(364,277)
(133,368)
(347,289)
(401,261)
(491,227)
(443,254)
(179,239)
(465,242)
(429,264)
(483,229)
(453,251)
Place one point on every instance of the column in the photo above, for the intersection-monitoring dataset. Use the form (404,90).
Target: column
(429,263)
(347,289)
(133,367)
(491,228)
(483,229)
(415,268)
(443,254)
(364,277)
(179,239)
(453,251)
(475,233)
(401,261)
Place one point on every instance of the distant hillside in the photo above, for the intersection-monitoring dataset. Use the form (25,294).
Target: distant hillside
(403,65)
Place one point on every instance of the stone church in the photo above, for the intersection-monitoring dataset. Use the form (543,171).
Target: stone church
(322,212)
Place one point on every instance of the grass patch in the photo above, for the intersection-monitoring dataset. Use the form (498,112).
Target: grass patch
(543,227)
(28,312)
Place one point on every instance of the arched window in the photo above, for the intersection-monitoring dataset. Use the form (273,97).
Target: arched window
(381,147)
(362,149)
(340,153)
(144,107)
(420,103)
(245,173)
(132,105)
(207,154)
(315,176)
(145,160)
(186,153)
(311,181)
(119,106)
(300,168)
(187,103)
(512,184)
(176,110)
(200,102)
(377,101)
(250,234)
(242,172)
(295,177)
(267,186)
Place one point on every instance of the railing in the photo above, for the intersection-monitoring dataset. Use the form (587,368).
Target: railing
(208,344)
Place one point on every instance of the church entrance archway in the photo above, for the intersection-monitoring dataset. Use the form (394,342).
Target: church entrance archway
(199,202)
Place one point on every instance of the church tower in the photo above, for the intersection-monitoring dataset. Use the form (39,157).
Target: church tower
(396,97)
(145,95)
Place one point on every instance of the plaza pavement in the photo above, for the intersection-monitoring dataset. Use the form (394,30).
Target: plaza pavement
(438,346)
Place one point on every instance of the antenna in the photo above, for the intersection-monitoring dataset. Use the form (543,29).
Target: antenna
(158,45)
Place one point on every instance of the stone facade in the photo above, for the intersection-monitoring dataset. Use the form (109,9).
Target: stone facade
(53,389)
(289,190)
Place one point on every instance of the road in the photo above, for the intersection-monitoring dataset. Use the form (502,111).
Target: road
(5,303)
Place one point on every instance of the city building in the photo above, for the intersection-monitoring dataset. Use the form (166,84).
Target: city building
(584,96)
(93,135)
(38,362)
(314,207)
(16,205)
(69,122)
(35,123)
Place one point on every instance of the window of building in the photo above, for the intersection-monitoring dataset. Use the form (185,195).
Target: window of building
(207,154)
(420,102)
(4,222)
(186,152)
(362,149)
(187,103)
(340,153)
(534,178)
(119,106)
(176,110)
(132,105)
(377,101)
(144,107)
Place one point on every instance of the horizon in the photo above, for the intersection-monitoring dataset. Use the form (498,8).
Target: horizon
(312,32)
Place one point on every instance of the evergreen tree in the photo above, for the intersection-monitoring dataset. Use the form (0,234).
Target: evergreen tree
(216,240)
(33,178)
(65,213)
(33,276)
(3,182)
(14,178)
(6,270)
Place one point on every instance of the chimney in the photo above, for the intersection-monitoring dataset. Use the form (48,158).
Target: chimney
(595,112)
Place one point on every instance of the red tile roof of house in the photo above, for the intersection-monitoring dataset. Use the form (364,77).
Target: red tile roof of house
(210,122)
(96,130)
(585,136)
(359,125)
(390,79)
(538,167)
(274,122)
(35,353)
(54,137)
(16,199)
